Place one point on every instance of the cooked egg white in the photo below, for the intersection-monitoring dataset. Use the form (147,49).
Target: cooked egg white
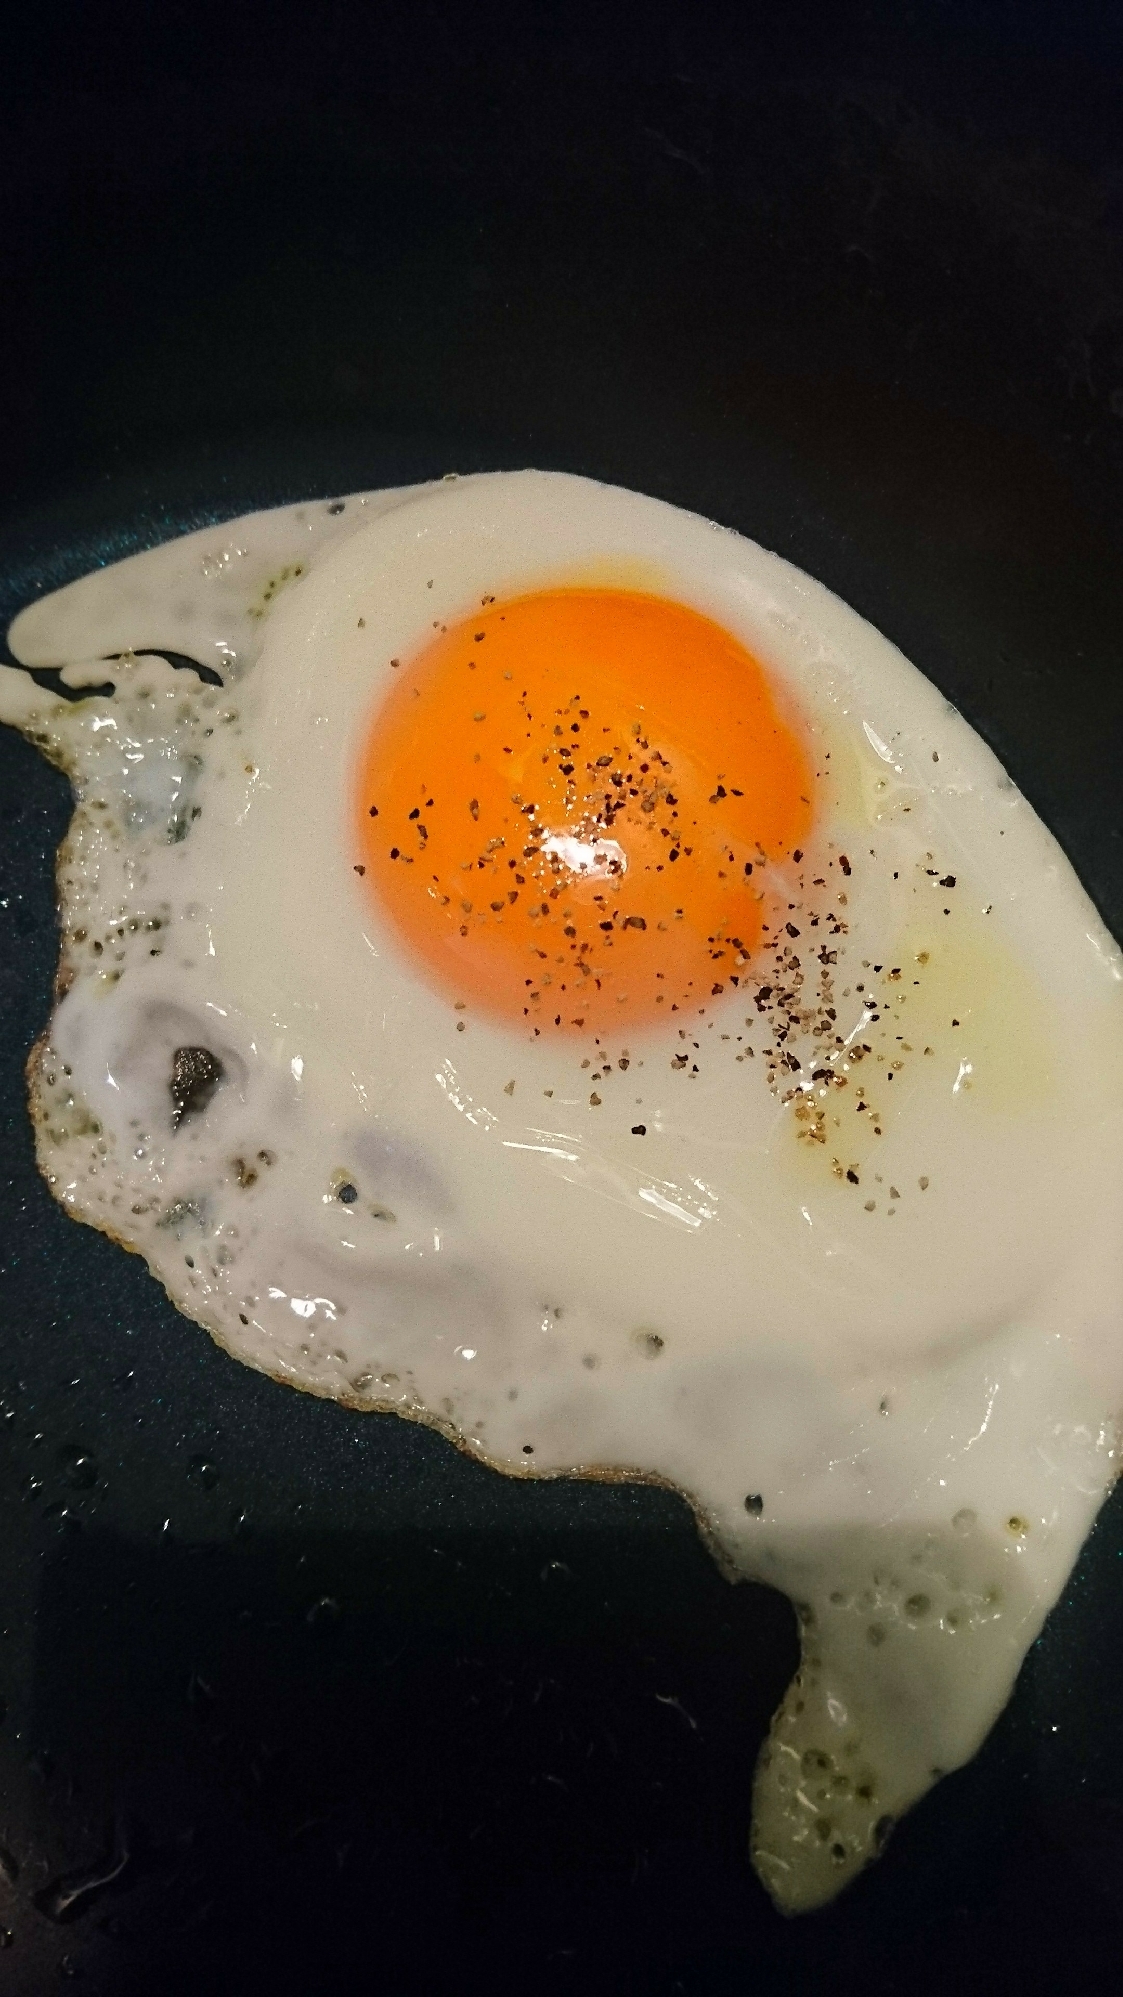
(832,1247)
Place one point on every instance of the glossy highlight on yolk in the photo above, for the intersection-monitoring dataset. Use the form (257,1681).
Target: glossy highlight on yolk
(571,805)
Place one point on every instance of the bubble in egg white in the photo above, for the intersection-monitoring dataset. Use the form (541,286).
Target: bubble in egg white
(839,1259)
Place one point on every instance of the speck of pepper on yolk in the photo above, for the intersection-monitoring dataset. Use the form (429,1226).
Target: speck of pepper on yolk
(571,807)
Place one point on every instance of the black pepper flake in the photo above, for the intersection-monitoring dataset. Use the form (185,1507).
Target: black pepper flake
(348,1194)
(852,1175)
(374,811)
(948,881)
(360,870)
(754,1504)
(844,863)
(639,1130)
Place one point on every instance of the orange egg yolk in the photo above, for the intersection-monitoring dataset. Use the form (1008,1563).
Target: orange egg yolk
(570,804)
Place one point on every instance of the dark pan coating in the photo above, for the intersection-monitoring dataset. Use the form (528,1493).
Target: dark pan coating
(293,1700)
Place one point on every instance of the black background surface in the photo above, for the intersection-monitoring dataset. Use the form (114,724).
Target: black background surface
(339,1709)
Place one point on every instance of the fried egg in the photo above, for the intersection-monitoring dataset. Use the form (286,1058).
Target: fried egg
(553,970)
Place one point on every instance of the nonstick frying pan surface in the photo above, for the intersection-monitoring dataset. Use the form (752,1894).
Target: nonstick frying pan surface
(296,1699)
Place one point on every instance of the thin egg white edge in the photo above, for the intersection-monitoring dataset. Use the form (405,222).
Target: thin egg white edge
(894,1532)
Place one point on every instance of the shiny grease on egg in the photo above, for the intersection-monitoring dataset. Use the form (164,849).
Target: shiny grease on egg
(836,1256)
